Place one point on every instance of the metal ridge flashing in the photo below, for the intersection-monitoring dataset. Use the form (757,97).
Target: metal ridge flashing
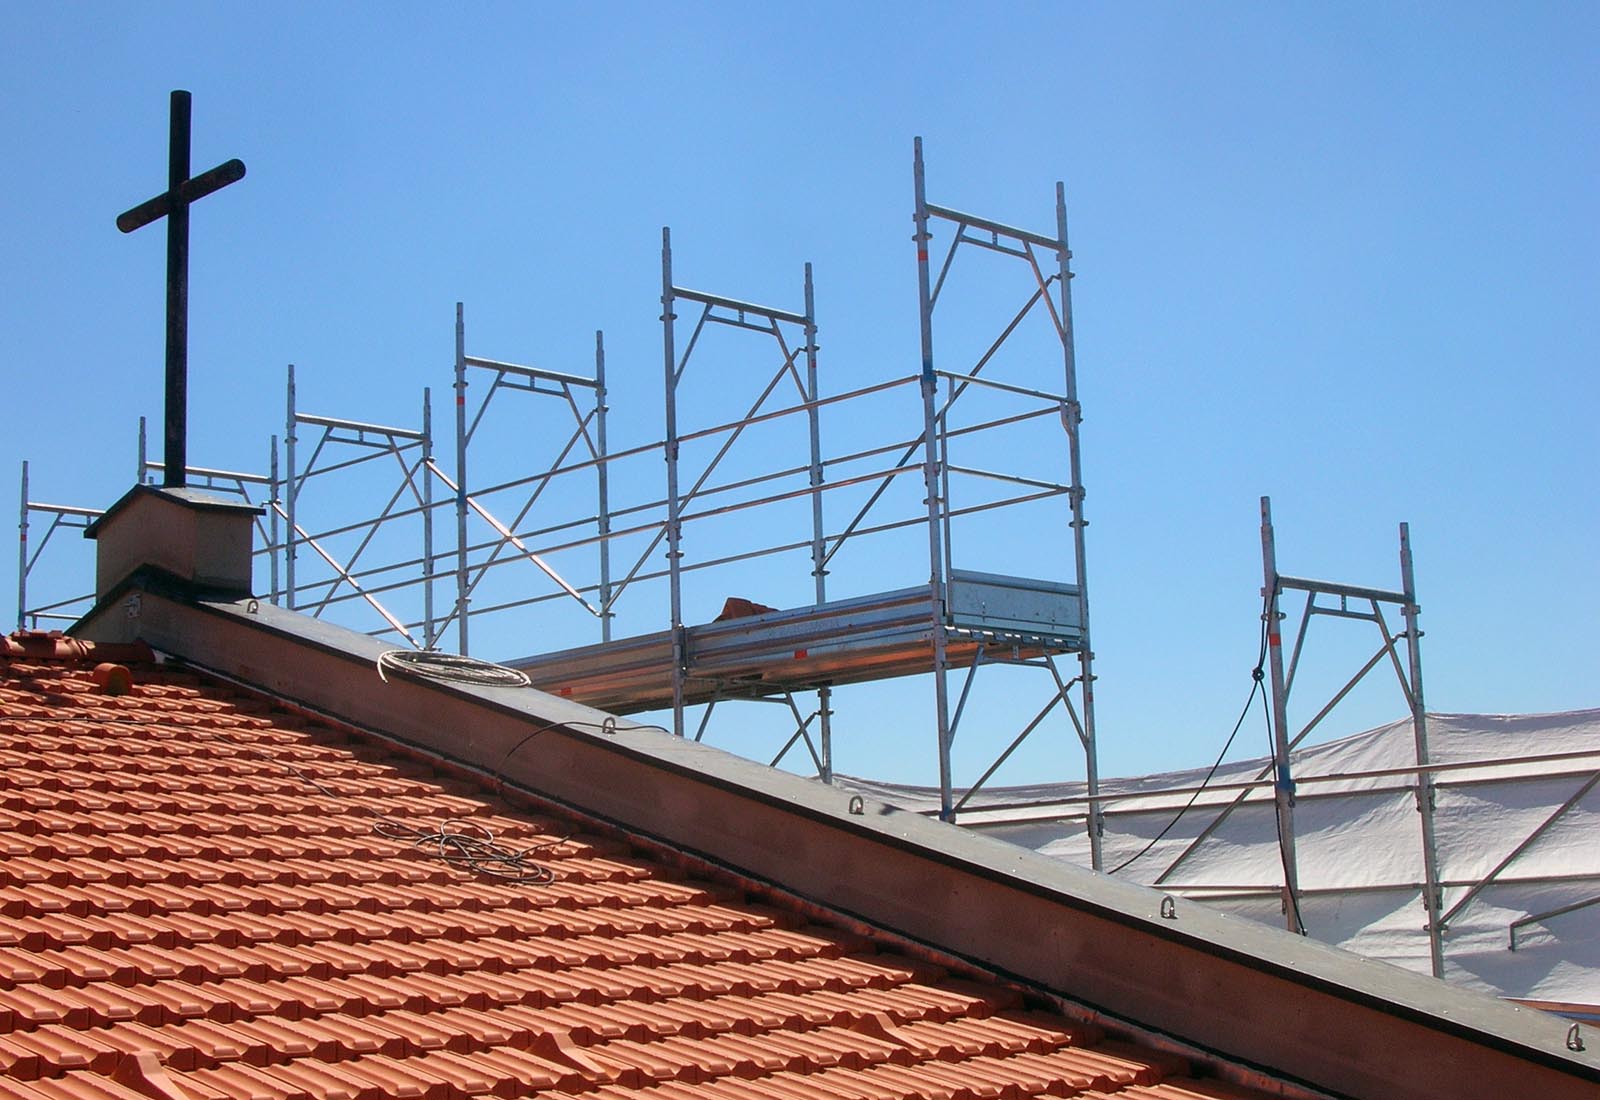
(1301,1009)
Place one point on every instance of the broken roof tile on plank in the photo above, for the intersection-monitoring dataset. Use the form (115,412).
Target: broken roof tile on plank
(194,874)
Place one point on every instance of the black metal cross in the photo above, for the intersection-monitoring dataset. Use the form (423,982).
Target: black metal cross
(173,204)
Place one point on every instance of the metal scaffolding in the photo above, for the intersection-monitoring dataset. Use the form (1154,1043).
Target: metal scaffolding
(794,335)
(958,619)
(1361,604)
(61,516)
(1029,248)
(412,452)
(584,399)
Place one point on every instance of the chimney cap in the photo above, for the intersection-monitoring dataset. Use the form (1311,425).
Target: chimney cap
(196,499)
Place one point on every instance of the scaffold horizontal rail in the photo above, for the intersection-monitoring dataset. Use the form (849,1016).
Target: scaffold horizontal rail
(974,222)
(335,423)
(530,372)
(1334,588)
(737,306)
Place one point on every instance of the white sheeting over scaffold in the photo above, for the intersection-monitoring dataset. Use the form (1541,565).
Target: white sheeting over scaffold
(1505,777)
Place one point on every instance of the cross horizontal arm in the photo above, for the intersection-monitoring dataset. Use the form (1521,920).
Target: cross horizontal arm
(191,190)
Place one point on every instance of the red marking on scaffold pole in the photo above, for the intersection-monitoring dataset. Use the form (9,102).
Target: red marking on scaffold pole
(922,255)
(800,654)
(1275,639)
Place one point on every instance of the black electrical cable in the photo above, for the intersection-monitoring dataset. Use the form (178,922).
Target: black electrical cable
(1256,675)
(471,846)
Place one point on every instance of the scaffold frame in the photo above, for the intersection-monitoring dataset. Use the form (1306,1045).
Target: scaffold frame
(764,320)
(412,450)
(589,429)
(1026,246)
(62,517)
(1407,673)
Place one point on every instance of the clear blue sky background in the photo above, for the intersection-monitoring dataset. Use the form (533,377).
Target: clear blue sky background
(1345,255)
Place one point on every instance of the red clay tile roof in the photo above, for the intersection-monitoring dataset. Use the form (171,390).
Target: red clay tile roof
(198,899)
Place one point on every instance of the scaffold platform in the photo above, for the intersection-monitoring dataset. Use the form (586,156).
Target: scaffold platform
(848,641)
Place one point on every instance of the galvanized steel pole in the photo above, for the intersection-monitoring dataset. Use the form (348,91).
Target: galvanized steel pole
(674,529)
(22,550)
(1073,416)
(1432,899)
(289,499)
(462,596)
(1283,786)
(273,503)
(819,570)
(602,477)
(930,478)
(425,468)
(819,556)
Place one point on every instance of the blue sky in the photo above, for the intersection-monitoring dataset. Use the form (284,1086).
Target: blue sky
(1343,255)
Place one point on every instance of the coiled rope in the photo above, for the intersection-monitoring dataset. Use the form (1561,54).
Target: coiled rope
(450,668)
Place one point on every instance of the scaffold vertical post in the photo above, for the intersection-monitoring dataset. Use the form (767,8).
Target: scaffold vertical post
(1432,899)
(930,478)
(273,531)
(463,597)
(1283,782)
(819,569)
(819,555)
(603,484)
(430,640)
(1073,415)
(22,549)
(138,471)
(292,492)
(674,526)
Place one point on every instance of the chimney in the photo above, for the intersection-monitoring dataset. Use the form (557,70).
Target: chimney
(198,538)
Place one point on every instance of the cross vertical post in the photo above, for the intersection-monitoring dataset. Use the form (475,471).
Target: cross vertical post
(173,204)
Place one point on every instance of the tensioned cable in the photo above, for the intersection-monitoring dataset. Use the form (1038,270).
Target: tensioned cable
(1256,675)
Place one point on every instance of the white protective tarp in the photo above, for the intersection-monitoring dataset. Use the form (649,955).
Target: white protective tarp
(1359,843)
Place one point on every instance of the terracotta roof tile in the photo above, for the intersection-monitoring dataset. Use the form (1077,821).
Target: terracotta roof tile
(193,873)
